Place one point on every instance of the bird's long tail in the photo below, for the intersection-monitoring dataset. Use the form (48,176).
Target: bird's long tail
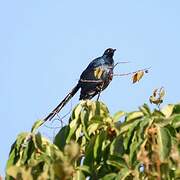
(62,103)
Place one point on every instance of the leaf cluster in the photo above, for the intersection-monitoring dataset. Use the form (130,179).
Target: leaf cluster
(143,144)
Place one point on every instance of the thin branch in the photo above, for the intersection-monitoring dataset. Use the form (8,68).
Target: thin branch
(59,119)
(121,62)
(54,127)
(124,62)
(130,73)
(123,74)
(91,81)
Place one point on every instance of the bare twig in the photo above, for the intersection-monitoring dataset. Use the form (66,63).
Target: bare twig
(91,81)
(124,62)
(130,73)
(53,128)
(121,62)
(123,74)
(59,119)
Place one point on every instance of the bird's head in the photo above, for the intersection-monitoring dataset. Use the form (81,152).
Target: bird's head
(109,52)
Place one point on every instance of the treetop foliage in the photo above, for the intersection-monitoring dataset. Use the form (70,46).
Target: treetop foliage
(142,144)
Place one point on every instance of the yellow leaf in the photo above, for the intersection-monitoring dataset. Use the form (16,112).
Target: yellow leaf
(134,115)
(15,171)
(161,93)
(137,76)
(78,131)
(157,96)
(98,72)
(168,110)
(92,128)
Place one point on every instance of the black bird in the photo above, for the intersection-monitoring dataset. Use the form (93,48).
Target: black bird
(94,79)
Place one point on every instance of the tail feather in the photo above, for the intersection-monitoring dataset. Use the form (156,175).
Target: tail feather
(62,103)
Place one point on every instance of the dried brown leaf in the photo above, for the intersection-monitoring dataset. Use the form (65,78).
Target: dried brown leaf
(137,76)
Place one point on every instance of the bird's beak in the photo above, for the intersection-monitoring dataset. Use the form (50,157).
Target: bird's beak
(114,50)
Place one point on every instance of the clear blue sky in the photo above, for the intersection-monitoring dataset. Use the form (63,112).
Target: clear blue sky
(45,45)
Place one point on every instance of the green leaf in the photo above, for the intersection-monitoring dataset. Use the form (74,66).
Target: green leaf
(92,128)
(84,116)
(17,149)
(124,174)
(110,176)
(172,132)
(97,145)
(98,108)
(76,112)
(72,128)
(117,162)
(37,138)
(97,150)
(78,132)
(103,108)
(163,122)
(84,121)
(60,138)
(176,109)
(124,127)
(129,135)
(134,148)
(36,125)
(145,109)
(142,128)
(20,140)
(19,173)
(164,142)
(158,113)
(168,110)
(118,115)
(116,147)
(138,136)
(12,158)
(134,115)
(89,158)
(27,152)
(84,168)
(176,121)
(79,176)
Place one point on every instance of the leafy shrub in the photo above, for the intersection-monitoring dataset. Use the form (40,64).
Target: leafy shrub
(143,144)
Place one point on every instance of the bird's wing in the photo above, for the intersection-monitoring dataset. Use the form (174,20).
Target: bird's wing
(95,63)
(90,72)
